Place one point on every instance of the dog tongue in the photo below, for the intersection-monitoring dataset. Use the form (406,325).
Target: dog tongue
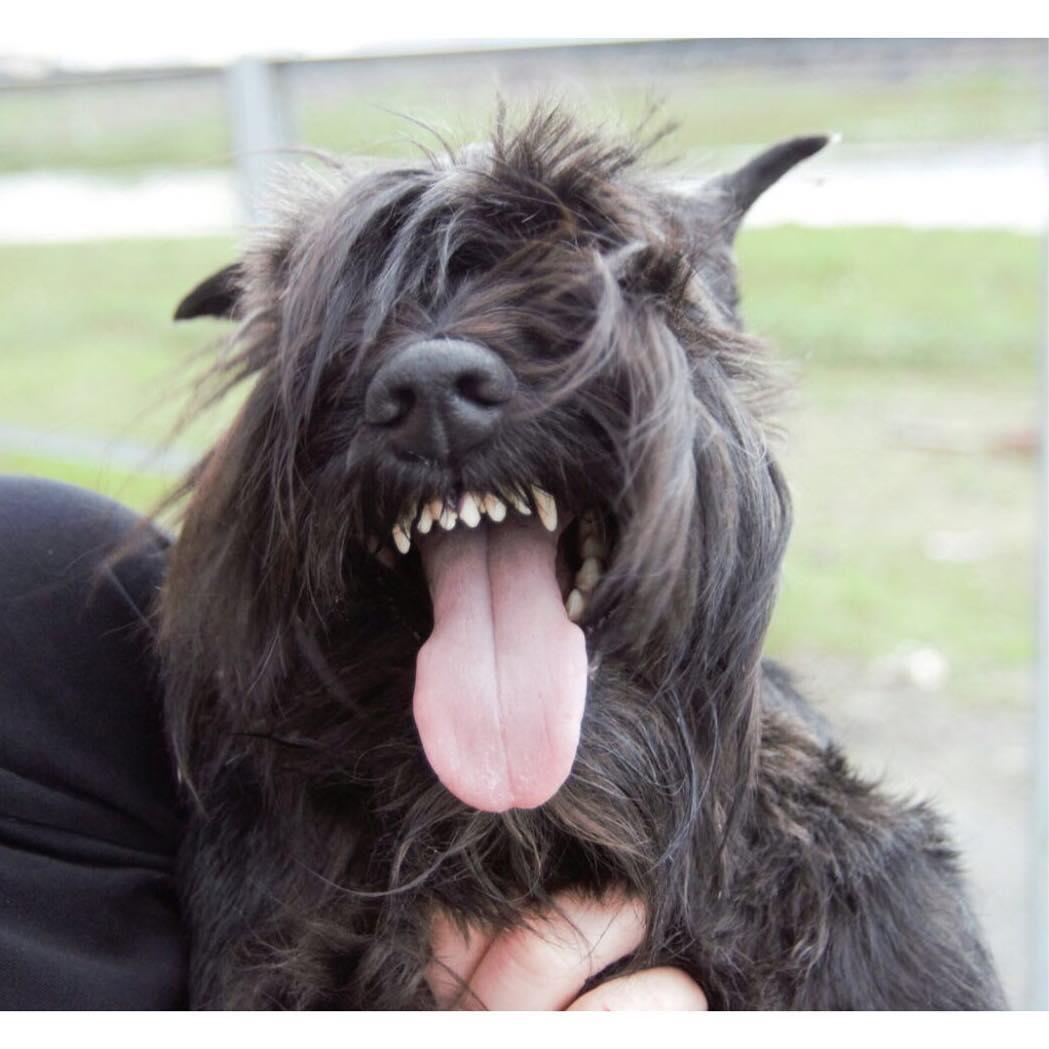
(501,683)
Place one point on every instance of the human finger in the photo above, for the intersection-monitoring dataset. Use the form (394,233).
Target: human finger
(545,964)
(454,955)
(664,988)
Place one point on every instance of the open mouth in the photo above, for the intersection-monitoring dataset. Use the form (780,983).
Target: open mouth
(500,684)
(582,546)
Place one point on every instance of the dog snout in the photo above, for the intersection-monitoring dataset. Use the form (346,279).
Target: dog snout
(439,398)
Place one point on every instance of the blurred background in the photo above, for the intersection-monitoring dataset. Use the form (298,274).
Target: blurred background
(900,276)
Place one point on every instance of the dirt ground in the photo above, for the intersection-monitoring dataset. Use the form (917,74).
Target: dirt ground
(972,761)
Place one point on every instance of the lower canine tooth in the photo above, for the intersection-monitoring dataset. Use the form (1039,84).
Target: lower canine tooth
(587,577)
(469,513)
(547,508)
(401,540)
(575,606)
(495,508)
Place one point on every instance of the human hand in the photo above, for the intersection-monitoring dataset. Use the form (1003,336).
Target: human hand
(545,965)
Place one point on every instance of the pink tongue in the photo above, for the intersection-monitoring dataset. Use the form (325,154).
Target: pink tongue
(501,683)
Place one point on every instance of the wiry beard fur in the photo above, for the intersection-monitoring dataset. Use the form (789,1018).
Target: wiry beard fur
(321,842)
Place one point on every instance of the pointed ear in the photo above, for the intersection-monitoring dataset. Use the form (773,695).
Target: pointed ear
(716,211)
(217,296)
(733,193)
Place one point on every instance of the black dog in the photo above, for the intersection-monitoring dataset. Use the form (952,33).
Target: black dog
(468,606)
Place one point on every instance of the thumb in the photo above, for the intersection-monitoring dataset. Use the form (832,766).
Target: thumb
(652,989)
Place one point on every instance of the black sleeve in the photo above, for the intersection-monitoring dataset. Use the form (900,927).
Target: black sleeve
(88,819)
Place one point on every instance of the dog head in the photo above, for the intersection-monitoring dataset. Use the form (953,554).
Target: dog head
(502,416)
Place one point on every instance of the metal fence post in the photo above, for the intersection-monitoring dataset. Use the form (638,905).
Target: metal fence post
(260,128)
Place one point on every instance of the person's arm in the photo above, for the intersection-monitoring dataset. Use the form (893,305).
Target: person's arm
(89,824)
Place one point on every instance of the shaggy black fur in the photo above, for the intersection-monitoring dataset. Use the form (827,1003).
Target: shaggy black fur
(320,840)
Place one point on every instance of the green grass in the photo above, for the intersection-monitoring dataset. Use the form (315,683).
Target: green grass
(881,464)
(134,126)
(114,126)
(941,301)
(711,109)
(913,355)
(88,341)
(138,489)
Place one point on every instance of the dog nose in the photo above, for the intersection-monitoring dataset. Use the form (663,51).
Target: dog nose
(439,398)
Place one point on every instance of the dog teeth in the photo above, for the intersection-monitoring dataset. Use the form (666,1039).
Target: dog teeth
(402,530)
(518,502)
(591,546)
(469,512)
(546,507)
(589,575)
(495,508)
(400,539)
(472,506)
(425,522)
(575,606)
